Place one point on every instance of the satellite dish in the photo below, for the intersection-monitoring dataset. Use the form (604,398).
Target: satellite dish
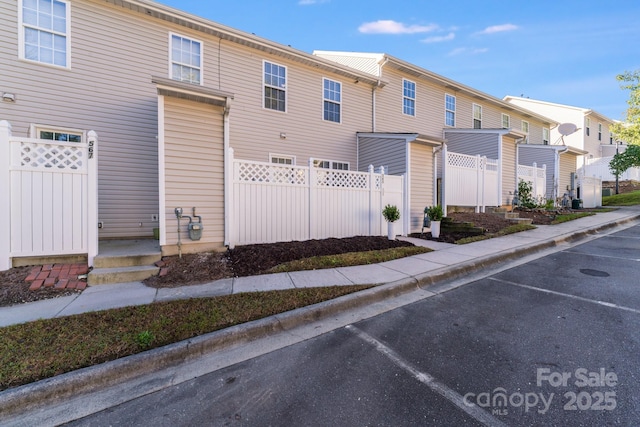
(567,129)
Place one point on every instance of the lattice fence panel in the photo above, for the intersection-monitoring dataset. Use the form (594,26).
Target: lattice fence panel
(461,160)
(52,156)
(332,178)
(256,172)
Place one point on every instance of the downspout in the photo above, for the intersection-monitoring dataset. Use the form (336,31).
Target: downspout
(373,94)
(228,171)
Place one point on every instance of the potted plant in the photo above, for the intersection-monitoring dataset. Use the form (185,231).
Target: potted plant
(435,215)
(391,214)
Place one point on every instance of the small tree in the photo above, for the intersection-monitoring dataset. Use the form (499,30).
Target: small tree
(629,130)
(525,195)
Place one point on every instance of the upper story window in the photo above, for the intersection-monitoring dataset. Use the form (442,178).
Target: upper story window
(332,96)
(477,116)
(408,97)
(545,136)
(449,110)
(186,59)
(599,131)
(506,121)
(275,86)
(525,126)
(45,31)
(587,126)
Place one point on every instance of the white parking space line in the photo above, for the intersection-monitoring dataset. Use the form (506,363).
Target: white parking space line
(562,294)
(600,256)
(444,391)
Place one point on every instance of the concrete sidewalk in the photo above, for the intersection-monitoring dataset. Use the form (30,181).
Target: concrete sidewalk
(445,261)
(76,394)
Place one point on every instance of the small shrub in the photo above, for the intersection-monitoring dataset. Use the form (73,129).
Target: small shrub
(525,195)
(435,213)
(144,339)
(391,213)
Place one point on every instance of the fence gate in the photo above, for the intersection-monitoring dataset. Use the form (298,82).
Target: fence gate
(535,176)
(470,180)
(51,194)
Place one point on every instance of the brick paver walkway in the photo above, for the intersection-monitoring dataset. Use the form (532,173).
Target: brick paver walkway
(59,276)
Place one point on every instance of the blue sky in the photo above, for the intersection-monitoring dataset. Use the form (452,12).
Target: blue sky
(562,51)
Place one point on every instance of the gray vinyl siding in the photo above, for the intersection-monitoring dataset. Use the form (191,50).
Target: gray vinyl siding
(114,54)
(109,92)
(421,180)
(194,171)
(472,144)
(527,156)
(390,153)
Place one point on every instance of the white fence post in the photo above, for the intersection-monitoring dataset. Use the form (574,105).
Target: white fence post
(372,188)
(5,196)
(534,176)
(92,196)
(312,192)
(443,178)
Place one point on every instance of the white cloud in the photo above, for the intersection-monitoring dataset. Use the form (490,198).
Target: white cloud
(438,39)
(387,26)
(499,29)
(468,51)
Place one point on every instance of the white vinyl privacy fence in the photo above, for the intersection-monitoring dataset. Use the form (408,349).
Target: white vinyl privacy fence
(48,194)
(599,168)
(272,202)
(470,180)
(535,176)
(590,191)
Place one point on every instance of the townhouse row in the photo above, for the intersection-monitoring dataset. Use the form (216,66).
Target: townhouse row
(169,94)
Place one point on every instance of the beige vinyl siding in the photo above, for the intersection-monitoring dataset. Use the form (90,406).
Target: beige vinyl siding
(194,172)
(421,176)
(509,169)
(429,118)
(255,131)
(567,166)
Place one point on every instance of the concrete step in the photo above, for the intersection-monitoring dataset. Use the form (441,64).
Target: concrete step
(113,261)
(521,220)
(510,215)
(497,210)
(105,276)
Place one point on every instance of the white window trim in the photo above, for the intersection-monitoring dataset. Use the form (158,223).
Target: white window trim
(525,124)
(67,35)
(285,89)
(506,116)
(473,115)
(600,132)
(35,129)
(282,156)
(447,110)
(546,132)
(587,127)
(200,66)
(414,99)
(329,100)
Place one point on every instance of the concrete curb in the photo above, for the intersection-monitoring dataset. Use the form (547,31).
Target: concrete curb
(15,402)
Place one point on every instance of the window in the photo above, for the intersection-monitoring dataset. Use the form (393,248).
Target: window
(56,134)
(45,31)
(275,86)
(599,131)
(588,125)
(329,164)
(545,136)
(282,160)
(332,94)
(506,121)
(610,139)
(525,127)
(477,116)
(449,110)
(408,97)
(186,59)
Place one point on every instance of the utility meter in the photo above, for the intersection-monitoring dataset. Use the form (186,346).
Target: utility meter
(195,230)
